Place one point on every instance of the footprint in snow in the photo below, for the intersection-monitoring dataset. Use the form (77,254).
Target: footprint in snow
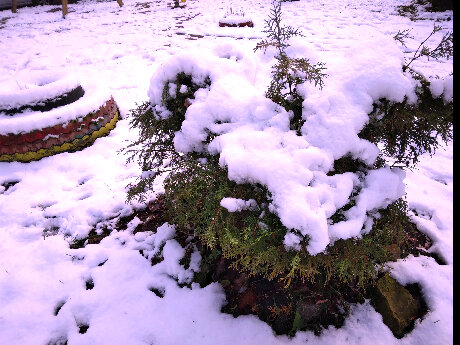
(59,306)
(89,283)
(8,186)
(83,180)
(158,292)
(85,196)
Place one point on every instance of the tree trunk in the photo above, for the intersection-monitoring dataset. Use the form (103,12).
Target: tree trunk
(64,8)
(14,6)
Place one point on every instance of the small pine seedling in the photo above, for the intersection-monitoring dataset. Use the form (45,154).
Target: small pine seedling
(288,72)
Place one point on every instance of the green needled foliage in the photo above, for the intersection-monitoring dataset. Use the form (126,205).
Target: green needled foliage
(253,239)
(406,130)
(154,149)
(288,73)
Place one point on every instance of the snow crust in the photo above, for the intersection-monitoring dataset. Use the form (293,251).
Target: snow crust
(43,295)
(236,205)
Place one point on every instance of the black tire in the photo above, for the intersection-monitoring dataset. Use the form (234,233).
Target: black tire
(48,104)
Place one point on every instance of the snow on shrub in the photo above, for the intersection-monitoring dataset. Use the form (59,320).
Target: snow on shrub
(254,142)
(210,124)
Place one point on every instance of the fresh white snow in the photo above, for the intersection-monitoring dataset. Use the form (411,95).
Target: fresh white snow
(95,96)
(32,87)
(129,53)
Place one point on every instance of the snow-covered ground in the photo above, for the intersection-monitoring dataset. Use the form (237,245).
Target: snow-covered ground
(43,284)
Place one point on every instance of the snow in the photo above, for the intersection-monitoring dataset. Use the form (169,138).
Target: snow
(235,204)
(95,96)
(129,53)
(28,88)
(234,19)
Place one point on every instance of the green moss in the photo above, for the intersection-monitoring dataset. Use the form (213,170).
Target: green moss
(396,304)
(297,324)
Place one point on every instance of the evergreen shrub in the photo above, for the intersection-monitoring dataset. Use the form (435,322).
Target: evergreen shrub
(252,239)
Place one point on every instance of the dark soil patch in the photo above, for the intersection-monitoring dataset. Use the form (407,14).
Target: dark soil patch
(93,238)
(77,243)
(89,284)
(442,5)
(55,9)
(82,328)
(151,217)
(50,231)
(302,305)
(416,292)
(158,293)
(417,243)
(175,4)
(60,341)
(142,5)
(58,2)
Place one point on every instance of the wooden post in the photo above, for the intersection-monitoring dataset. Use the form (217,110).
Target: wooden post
(64,8)
(14,6)
(120,2)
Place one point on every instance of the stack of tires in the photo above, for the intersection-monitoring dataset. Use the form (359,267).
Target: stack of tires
(45,113)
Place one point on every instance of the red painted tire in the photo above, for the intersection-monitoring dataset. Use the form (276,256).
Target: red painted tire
(29,136)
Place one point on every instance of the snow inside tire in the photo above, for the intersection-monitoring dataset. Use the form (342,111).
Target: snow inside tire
(40,91)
